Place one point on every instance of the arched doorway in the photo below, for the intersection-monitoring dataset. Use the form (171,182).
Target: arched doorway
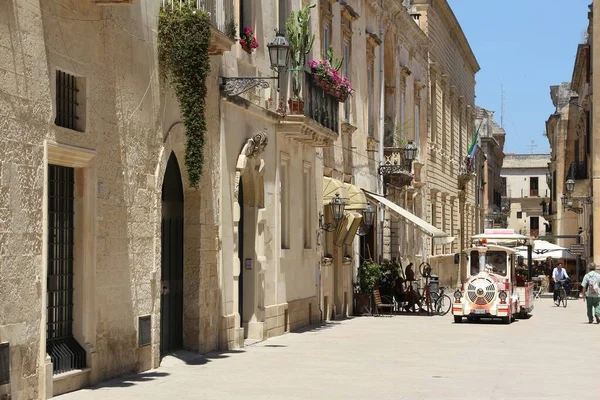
(171,300)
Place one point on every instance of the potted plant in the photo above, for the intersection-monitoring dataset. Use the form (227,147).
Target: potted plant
(327,76)
(248,40)
(368,276)
(301,43)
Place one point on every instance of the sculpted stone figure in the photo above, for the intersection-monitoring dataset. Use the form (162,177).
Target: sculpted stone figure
(250,168)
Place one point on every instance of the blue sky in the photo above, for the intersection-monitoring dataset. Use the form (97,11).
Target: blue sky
(524,46)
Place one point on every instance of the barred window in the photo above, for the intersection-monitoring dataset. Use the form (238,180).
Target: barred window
(69,102)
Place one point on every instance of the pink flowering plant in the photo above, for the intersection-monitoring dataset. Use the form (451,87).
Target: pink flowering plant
(330,79)
(247,39)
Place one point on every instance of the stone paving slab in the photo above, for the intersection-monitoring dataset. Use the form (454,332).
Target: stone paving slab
(551,355)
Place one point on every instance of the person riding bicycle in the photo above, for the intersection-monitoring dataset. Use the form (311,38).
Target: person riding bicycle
(559,274)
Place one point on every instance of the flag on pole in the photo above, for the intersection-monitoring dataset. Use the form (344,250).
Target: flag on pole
(475,135)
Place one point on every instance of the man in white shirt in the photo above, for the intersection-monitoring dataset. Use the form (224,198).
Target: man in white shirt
(558,274)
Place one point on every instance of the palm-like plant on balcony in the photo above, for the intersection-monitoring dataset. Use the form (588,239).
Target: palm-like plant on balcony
(301,43)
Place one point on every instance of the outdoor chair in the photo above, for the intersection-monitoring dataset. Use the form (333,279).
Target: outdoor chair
(537,288)
(382,302)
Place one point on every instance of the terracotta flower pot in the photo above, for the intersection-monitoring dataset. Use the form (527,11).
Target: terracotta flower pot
(296,106)
(362,303)
(246,47)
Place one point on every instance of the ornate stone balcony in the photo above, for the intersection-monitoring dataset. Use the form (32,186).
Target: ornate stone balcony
(318,126)
(466,170)
(395,168)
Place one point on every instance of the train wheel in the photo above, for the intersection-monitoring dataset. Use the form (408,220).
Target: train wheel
(457,319)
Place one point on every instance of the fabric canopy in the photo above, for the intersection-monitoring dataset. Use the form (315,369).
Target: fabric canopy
(356,198)
(331,187)
(439,236)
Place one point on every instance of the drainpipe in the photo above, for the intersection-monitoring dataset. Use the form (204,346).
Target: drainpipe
(381,132)
(595,117)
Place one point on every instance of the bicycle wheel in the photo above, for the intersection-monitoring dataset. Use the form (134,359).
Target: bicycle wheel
(443,304)
(563,298)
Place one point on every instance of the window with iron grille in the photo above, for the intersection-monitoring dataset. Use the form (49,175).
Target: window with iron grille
(66,354)
(69,102)
(4,363)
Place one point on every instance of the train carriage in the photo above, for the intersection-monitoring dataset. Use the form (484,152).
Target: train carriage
(491,289)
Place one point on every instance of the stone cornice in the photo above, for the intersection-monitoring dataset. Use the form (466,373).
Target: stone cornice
(348,13)
(580,67)
(405,71)
(454,26)
(406,24)
(374,4)
(373,39)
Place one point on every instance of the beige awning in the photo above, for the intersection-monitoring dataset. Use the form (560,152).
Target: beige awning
(438,235)
(356,198)
(347,228)
(331,187)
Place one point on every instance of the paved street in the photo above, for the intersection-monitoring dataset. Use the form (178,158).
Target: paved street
(551,355)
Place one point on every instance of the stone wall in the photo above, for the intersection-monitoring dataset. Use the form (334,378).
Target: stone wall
(451,113)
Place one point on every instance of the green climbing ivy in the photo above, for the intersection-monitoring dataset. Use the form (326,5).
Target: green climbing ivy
(183,45)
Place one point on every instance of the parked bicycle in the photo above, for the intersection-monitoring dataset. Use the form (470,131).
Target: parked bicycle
(443,302)
(562,294)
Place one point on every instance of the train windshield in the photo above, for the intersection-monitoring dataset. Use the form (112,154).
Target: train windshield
(496,261)
(474,262)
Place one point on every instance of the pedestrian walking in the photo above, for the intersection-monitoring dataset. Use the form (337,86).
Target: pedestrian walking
(590,293)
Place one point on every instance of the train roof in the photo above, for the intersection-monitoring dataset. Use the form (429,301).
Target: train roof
(489,246)
(500,234)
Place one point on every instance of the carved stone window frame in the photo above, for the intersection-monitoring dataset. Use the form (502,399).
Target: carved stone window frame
(326,19)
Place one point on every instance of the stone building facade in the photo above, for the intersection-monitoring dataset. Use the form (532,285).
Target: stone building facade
(570,133)
(98,213)
(108,251)
(491,139)
(528,191)
(558,130)
(451,188)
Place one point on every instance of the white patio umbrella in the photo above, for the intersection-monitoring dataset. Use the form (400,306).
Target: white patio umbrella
(541,247)
(556,254)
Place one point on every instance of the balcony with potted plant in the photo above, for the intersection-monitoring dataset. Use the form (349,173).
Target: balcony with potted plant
(313,116)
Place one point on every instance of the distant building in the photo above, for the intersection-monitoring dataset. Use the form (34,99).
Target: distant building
(491,140)
(528,192)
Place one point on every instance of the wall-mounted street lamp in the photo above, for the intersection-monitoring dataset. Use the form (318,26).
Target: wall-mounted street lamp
(368,218)
(338,206)
(279,54)
(410,153)
(567,201)
(570,184)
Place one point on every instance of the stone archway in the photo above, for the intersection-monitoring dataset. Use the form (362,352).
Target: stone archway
(248,228)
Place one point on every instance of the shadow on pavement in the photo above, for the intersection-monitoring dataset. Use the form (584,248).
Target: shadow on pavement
(192,358)
(130,380)
(317,327)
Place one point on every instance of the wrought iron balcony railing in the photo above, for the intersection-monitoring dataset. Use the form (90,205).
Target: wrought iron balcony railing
(221,12)
(395,162)
(578,170)
(466,170)
(320,105)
